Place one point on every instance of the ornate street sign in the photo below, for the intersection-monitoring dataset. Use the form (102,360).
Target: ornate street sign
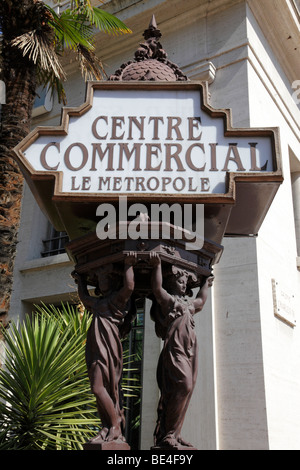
(148,141)
(149,134)
(159,139)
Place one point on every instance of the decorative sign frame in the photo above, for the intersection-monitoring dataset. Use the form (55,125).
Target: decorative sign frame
(151,142)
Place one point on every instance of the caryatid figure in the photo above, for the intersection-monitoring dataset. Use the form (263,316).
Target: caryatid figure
(112,313)
(173,313)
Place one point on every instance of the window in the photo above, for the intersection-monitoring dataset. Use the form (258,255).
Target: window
(43,102)
(55,244)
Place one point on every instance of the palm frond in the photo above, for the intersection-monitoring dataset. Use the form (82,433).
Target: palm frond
(106,22)
(91,67)
(74,30)
(55,85)
(38,47)
(101,19)
(45,399)
(71,29)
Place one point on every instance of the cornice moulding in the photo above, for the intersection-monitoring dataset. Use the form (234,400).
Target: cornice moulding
(281,28)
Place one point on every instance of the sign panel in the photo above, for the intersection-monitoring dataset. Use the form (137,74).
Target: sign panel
(149,140)
(284,303)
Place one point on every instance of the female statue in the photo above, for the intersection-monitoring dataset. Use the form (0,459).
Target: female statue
(177,367)
(104,353)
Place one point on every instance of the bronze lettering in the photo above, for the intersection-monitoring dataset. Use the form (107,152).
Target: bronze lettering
(139,125)
(182,183)
(43,156)
(205,184)
(117,184)
(165,182)
(254,166)
(86,183)
(97,149)
(152,150)
(117,122)
(85,156)
(235,158)
(73,179)
(140,184)
(156,181)
(94,128)
(155,126)
(129,180)
(194,123)
(104,181)
(213,157)
(128,154)
(188,157)
(174,127)
(175,155)
(191,189)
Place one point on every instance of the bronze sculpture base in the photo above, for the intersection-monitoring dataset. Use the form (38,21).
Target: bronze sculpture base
(112,445)
(179,447)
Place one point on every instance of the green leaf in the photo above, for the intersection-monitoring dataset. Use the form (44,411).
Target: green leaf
(107,22)
(45,398)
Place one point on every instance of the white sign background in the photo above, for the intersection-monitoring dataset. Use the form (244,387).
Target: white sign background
(197,177)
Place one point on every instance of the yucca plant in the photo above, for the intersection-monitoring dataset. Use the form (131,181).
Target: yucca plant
(45,398)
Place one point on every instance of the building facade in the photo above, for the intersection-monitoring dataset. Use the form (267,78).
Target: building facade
(248,388)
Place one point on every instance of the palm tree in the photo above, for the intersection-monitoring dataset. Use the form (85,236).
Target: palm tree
(33,36)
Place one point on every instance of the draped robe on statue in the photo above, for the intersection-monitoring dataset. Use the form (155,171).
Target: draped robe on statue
(177,366)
